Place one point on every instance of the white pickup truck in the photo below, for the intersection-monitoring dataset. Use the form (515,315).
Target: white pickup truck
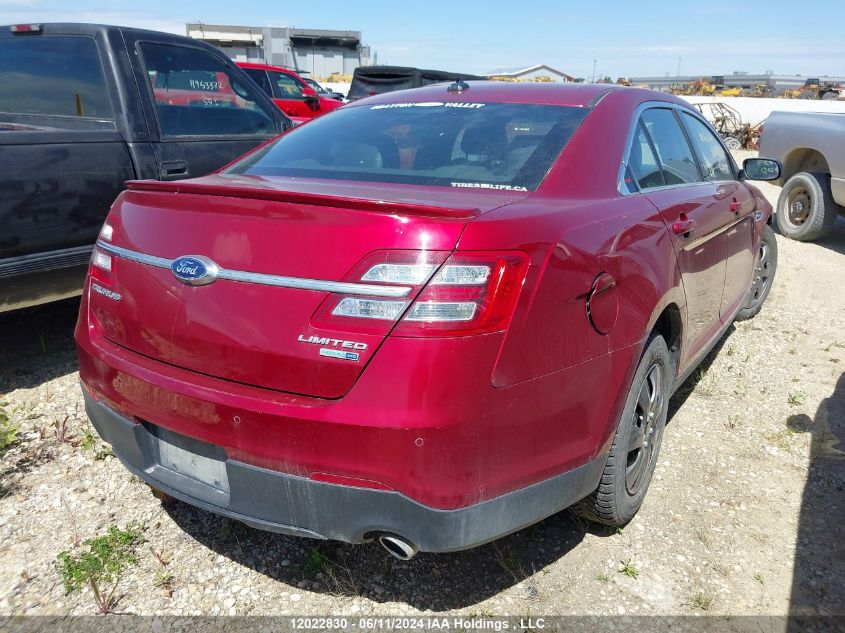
(811,147)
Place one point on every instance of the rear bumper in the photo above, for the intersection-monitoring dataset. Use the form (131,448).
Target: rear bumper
(288,504)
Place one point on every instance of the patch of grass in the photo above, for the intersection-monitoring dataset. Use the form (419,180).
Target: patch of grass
(8,430)
(165,581)
(101,564)
(781,439)
(758,577)
(701,600)
(703,386)
(629,569)
(795,399)
(88,441)
(603,577)
(315,562)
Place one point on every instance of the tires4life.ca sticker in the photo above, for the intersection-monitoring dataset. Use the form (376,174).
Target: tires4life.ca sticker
(488,185)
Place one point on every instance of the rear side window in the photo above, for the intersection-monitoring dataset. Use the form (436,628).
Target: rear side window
(60,78)
(196,94)
(642,161)
(260,77)
(503,146)
(714,160)
(673,150)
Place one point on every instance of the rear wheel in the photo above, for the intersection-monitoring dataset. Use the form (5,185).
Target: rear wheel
(636,444)
(806,210)
(765,265)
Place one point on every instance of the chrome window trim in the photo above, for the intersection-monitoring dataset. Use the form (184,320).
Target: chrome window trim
(280,281)
(632,126)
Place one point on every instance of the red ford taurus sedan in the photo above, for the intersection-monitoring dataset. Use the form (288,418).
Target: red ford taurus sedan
(433,318)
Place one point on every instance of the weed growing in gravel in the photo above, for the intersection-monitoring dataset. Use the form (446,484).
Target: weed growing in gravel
(101,564)
(628,569)
(795,399)
(88,441)
(781,439)
(8,431)
(160,557)
(758,577)
(701,601)
(315,562)
(63,434)
(164,580)
(509,561)
(603,577)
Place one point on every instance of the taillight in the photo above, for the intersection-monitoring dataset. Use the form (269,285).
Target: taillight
(468,293)
(404,272)
(472,293)
(102,263)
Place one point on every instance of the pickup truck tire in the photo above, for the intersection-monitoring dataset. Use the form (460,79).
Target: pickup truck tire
(806,210)
(765,265)
(636,444)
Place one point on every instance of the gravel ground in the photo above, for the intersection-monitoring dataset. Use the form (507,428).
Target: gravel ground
(744,515)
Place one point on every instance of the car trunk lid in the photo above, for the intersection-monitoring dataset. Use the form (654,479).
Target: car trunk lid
(270,239)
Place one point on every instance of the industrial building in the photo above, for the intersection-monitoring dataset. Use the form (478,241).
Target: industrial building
(539,72)
(313,52)
(742,80)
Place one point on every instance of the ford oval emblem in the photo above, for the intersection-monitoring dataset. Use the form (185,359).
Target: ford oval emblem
(195,270)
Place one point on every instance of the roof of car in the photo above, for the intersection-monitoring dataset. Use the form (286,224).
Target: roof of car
(257,66)
(570,94)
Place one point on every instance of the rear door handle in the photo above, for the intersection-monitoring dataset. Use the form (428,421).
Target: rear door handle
(683,226)
(173,169)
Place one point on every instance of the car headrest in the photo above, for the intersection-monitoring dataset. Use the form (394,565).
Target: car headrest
(486,141)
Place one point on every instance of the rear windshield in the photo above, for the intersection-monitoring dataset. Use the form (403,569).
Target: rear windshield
(505,146)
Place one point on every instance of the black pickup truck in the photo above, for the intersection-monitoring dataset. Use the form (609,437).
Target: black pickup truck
(84,108)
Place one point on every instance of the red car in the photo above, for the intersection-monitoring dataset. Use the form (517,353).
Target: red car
(433,318)
(289,91)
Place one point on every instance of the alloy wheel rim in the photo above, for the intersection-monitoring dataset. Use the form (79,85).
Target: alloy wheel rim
(642,442)
(762,274)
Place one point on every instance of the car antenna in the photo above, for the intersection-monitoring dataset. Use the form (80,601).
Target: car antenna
(459,86)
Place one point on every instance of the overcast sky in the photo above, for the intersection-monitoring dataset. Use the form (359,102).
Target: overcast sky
(647,37)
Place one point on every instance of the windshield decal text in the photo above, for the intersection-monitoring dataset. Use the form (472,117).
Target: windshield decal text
(488,185)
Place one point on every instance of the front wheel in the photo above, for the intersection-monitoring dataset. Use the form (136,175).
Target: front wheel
(636,444)
(765,265)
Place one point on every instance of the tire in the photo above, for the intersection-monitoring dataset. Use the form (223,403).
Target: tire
(765,266)
(806,210)
(628,470)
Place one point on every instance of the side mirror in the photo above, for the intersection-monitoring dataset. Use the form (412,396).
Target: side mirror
(311,98)
(761,169)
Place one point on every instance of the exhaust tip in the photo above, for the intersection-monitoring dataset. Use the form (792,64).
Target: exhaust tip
(397,546)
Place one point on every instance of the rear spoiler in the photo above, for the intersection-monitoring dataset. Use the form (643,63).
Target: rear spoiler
(299,197)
